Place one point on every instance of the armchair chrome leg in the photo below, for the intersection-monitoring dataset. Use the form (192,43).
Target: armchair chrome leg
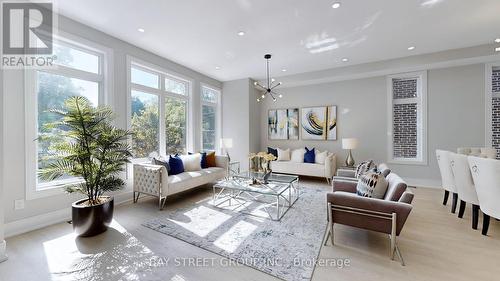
(330,225)
(393,235)
(136,197)
(400,256)
(327,235)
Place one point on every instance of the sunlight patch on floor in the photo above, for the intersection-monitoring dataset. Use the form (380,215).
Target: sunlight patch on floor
(231,239)
(194,221)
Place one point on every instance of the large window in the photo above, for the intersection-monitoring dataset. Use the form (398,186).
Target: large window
(493,106)
(210,118)
(159,112)
(407,116)
(79,73)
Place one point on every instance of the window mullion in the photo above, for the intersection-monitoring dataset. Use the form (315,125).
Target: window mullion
(162,120)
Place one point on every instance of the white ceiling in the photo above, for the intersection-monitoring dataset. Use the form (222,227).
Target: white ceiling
(302,35)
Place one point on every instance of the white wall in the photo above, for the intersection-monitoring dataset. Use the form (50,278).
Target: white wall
(455,116)
(14,120)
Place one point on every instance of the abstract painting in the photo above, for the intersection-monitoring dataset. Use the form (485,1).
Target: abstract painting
(313,120)
(293,123)
(277,124)
(332,122)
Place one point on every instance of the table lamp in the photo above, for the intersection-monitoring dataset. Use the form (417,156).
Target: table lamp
(225,144)
(349,143)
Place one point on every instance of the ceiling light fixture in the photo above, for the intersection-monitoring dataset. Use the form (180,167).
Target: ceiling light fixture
(217,67)
(497,49)
(411,48)
(270,84)
(345,60)
(283,70)
(336,5)
(497,40)
(241,33)
(141,30)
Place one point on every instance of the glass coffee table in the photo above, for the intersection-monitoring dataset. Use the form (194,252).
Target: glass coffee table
(273,198)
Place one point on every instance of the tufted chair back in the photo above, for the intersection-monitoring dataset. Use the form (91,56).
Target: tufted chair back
(463,178)
(447,180)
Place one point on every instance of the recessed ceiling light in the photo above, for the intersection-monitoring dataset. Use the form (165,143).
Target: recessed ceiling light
(411,48)
(283,70)
(141,30)
(217,67)
(336,5)
(345,60)
(497,49)
(497,40)
(241,33)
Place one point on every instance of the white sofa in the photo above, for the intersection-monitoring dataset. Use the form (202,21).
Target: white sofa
(326,170)
(154,180)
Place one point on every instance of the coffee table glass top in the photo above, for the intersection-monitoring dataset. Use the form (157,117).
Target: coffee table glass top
(273,178)
(244,184)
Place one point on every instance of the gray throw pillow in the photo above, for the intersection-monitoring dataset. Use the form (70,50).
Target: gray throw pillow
(373,185)
(161,163)
(363,168)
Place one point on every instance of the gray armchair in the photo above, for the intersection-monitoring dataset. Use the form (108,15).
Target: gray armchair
(387,215)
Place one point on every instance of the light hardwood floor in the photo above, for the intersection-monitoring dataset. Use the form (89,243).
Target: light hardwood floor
(436,245)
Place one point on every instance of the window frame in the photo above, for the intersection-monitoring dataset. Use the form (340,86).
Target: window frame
(421,101)
(218,115)
(489,94)
(162,94)
(105,90)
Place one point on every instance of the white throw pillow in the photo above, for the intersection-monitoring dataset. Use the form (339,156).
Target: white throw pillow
(191,162)
(321,157)
(298,155)
(283,154)
(373,185)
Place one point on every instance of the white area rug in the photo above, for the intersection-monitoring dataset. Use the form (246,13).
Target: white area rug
(285,249)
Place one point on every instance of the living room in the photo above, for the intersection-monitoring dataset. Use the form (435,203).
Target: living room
(250,140)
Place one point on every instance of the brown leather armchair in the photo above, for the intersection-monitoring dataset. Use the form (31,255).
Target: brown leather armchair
(387,215)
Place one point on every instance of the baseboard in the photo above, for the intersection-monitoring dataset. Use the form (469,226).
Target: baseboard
(3,254)
(36,222)
(429,183)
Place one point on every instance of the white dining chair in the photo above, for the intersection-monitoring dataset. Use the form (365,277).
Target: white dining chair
(465,186)
(447,180)
(486,175)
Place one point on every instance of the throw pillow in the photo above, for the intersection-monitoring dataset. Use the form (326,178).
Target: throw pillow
(211,159)
(321,156)
(373,185)
(272,151)
(363,168)
(191,162)
(161,163)
(176,166)
(283,154)
(203,161)
(298,155)
(309,156)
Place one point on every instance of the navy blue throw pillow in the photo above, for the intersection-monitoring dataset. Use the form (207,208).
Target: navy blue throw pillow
(163,163)
(203,162)
(309,156)
(272,151)
(176,166)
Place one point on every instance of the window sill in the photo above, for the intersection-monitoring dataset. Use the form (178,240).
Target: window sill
(49,189)
(408,162)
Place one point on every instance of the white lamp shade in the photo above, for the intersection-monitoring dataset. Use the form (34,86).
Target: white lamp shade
(349,143)
(226,143)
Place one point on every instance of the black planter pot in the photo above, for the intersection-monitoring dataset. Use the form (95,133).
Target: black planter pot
(92,220)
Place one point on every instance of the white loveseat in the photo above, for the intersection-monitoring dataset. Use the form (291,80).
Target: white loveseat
(154,180)
(326,170)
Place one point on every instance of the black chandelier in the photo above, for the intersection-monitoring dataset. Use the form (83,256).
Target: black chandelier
(270,85)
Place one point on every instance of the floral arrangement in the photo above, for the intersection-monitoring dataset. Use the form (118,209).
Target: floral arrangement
(260,161)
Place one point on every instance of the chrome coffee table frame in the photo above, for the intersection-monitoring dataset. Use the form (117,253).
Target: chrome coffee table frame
(283,194)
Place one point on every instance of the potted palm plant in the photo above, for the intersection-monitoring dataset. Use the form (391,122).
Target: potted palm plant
(95,152)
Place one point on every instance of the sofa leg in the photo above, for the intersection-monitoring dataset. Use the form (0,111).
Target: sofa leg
(161,202)
(486,224)
(454,203)
(445,199)
(475,216)
(461,210)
